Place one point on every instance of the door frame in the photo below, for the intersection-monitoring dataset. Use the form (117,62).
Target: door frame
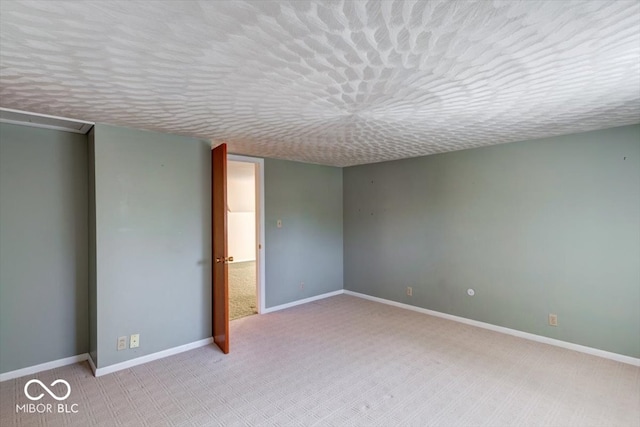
(260,234)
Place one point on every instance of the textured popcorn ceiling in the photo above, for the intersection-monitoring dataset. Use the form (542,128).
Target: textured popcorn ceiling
(333,82)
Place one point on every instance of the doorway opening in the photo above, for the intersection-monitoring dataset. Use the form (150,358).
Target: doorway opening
(244,235)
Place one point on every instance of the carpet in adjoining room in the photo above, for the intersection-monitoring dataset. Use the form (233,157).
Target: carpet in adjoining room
(242,289)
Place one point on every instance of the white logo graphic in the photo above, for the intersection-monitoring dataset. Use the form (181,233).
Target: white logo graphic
(52,394)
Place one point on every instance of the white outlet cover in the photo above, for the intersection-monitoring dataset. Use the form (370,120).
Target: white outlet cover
(471,292)
(134,341)
(122,343)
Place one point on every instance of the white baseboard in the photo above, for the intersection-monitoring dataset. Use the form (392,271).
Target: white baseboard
(30,370)
(151,357)
(302,301)
(92,365)
(201,343)
(526,335)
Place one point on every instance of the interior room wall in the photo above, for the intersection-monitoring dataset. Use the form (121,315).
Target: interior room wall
(43,246)
(308,247)
(534,227)
(153,240)
(241,228)
(122,245)
(241,215)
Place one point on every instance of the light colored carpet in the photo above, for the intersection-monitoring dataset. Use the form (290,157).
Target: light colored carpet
(242,289)
(344,361)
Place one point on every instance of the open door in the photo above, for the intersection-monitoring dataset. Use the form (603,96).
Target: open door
(220,271)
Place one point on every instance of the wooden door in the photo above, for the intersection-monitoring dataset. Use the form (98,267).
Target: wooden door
(220,271)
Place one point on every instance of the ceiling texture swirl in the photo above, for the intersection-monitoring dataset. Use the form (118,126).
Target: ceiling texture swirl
(331,82)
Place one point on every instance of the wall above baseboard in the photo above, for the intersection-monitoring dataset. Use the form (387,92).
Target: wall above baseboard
(201,343)
(303,301)
(30,370)
(526,335)
(98,372)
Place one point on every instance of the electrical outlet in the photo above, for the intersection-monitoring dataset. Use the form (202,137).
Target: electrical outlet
(134,341)
(553,319)
(301,285)
(122,343)
(409,291)
(279,223)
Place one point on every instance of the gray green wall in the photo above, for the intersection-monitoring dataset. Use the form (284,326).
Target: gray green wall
(153,241)
(308,247)
(123,217)
(111,238)
(43,246)
(535,227)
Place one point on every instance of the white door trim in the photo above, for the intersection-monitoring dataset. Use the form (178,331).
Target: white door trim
(260,236)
